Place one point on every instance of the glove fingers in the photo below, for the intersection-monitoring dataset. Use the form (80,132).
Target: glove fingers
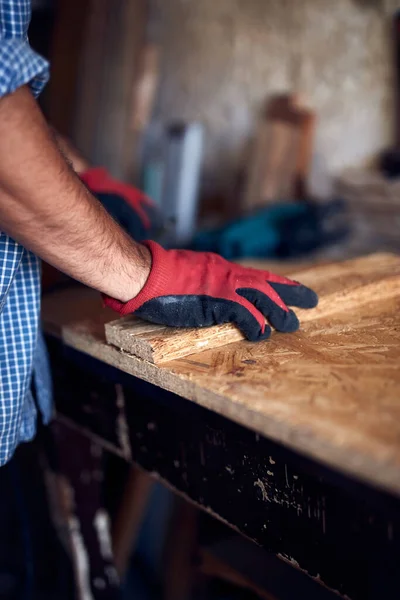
(204,311)
(250,321)
(281,319)
(295,295)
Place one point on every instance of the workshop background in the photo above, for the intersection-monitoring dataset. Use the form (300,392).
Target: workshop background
(262,129)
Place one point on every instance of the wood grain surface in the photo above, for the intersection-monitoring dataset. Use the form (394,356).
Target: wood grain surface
(158,344)
(330,391)
(340,289)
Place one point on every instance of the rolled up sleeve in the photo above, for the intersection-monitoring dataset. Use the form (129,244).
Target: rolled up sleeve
(20,65)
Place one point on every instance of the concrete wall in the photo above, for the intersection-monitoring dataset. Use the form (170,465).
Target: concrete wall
(222,58)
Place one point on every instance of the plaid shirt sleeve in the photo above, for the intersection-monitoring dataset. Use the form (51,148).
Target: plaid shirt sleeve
(22,351)
(19,64)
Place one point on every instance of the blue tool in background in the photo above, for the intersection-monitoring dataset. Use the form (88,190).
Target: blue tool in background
(282,230)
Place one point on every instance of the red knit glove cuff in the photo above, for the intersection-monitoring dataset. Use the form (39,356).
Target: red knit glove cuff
(156,284)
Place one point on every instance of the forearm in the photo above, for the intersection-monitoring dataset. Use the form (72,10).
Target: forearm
(44,206)
(78,163)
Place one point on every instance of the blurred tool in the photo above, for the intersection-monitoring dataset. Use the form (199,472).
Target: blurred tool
(153,162)
(282,230)
(173,171)
(184,151)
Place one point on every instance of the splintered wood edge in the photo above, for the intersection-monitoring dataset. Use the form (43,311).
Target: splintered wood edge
(159,344)
(121,338)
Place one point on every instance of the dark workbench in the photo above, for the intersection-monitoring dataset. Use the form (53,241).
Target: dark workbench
(310,510)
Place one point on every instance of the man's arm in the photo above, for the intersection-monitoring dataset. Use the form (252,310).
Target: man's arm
(131,208)
(45,207)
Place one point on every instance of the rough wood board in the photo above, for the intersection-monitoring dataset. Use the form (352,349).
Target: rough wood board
(340,288)
(159,344)
(330,391)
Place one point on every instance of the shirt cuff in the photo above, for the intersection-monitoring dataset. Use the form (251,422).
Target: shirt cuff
(20,65)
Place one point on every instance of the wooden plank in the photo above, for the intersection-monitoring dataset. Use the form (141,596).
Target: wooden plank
(68,41)
(115,37)
(89,84)
(329,391)
(340,288)
(158,344)
(281,158)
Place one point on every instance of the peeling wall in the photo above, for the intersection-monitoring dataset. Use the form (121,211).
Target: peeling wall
(222,58)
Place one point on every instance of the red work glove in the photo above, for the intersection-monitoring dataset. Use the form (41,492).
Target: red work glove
(100,182)
(199,289)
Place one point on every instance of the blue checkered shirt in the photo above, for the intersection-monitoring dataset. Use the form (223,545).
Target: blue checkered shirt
(23,359)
